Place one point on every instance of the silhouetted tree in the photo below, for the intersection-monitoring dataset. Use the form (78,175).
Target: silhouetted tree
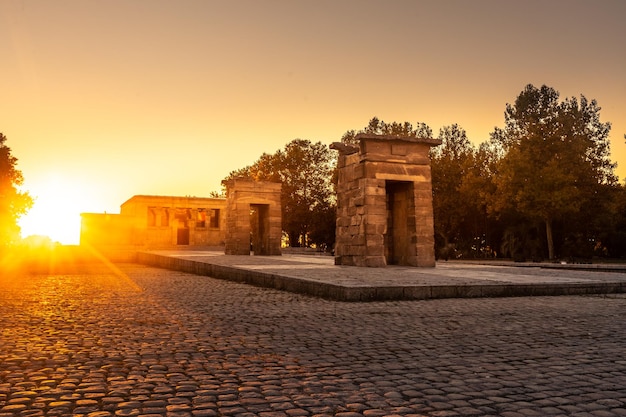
(612,242)
(13,202)
(451,162)
(379,127)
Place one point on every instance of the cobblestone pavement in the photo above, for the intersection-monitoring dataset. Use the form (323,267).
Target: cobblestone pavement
(153,342)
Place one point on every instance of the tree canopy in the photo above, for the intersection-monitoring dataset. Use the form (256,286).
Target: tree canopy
(556,157)
(451,164)
(13,202)
(379,127)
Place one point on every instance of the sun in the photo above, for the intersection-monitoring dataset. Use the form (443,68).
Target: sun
(56,211)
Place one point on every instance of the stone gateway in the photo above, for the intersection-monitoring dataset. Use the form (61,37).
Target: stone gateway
(254,218)
(384,202)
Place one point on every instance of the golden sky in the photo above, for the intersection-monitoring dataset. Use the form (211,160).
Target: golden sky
(102,100)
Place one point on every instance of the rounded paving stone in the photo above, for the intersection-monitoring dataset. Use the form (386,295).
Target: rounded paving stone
(277,352)
(13,408)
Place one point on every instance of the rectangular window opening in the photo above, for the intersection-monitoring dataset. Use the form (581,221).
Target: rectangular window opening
(201,218)
(151,216)
(165,217)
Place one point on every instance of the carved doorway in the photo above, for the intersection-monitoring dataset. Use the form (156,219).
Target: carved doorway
(398,238)
(259,228)
(182,228)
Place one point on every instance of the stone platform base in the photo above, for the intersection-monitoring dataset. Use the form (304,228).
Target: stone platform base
(318,276)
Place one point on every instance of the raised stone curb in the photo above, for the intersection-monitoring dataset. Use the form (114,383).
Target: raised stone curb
(321,282)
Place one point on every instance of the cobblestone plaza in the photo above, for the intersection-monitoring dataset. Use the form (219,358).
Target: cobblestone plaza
(151,342)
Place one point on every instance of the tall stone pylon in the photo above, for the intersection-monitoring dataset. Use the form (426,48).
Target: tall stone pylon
(384,202)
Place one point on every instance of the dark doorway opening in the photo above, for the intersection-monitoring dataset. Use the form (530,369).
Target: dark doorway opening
(182,232)
(182,237)
(259,228)
(398,237)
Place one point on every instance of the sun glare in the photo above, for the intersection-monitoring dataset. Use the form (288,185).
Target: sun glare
(56,212)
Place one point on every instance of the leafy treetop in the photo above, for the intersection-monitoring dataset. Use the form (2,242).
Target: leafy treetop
(13,202)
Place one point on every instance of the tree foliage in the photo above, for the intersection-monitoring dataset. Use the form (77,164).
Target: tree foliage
(305,170)
(13,202)
(451,163)
(379,127)
(556,158)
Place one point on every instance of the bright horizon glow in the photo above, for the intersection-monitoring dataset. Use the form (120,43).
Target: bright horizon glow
(56,211)
(156,97)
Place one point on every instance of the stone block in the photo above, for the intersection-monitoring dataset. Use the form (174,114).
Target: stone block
(401,149)
(420,173)
(358,171)
(375,229)
(375,240)
(343,221)
(352,159)
(376,201)
(375,261)
(354,250)
(375,218)
(354,230)
(375,251)
(369,147)
(374,190)
(377,210)
(358,240)
(345,260)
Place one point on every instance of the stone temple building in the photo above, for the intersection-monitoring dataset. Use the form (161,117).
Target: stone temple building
(153,222)
(247,221)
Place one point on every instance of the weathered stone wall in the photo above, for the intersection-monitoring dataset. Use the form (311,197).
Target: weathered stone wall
(164,221)
(152,222)
(382,173)
(263,198)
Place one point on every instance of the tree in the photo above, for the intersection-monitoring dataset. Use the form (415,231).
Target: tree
(305,170)
(450,163)
(13,203)
(556,158)
(379,127)
(613,241)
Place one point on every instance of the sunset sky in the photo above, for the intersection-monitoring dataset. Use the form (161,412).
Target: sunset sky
(103,100)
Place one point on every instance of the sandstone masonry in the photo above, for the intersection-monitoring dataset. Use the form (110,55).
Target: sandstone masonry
(384,202)
(254,217)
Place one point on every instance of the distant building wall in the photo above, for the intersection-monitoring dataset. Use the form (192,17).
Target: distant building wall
(153,222)
(105,229)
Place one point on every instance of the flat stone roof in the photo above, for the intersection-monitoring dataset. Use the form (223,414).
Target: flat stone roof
(430,141)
